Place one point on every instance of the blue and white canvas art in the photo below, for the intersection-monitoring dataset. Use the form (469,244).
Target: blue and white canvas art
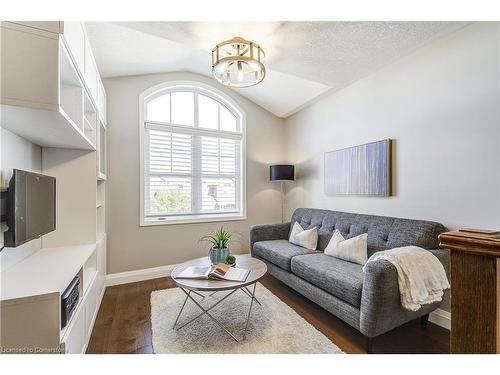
(359,170)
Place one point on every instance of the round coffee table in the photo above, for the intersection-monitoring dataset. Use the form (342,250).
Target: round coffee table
(193,286)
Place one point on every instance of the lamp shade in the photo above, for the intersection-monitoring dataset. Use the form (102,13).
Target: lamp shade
(282,172)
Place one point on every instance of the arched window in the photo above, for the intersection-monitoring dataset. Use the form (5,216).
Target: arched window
(192,143)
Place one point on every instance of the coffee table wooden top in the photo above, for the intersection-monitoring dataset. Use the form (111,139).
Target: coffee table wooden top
(257,270)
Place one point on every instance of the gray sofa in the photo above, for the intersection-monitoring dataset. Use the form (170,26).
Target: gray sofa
(369,301)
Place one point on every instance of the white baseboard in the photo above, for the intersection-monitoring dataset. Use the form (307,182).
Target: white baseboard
(143,274)
(139,275)
(441,318)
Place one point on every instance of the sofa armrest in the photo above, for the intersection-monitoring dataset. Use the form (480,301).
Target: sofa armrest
(381,308)
(268,232)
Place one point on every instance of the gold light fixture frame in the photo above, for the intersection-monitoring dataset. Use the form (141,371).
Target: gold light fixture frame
(231,56)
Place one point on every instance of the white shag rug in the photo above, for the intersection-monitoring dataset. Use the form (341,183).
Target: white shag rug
(274,327)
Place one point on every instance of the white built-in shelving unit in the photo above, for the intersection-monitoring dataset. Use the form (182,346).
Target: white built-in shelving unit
(52,95)
(102,150)
(100,208)
(31,299)
(90,118)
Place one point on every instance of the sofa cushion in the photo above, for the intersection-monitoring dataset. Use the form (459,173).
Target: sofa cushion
(279,252)
(338,277)
(304,238)
(353,250)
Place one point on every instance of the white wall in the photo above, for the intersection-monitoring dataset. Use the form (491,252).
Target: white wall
(440,105)
(132,247)
(17,152)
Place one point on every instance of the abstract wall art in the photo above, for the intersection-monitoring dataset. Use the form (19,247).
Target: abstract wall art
(359,170)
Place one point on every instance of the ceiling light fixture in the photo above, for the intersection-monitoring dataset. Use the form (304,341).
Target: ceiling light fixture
(238,63)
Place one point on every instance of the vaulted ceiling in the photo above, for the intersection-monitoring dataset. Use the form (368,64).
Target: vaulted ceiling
(304,59)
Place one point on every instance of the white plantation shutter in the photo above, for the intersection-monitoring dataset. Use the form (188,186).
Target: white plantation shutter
(193,168)
(169,172)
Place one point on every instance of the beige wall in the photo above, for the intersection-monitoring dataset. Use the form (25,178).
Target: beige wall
(131,247)
(17,152)
(440,105)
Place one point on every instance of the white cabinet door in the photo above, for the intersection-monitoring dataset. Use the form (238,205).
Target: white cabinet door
(101,264)
(24,57)
(101,100)
(91,72)
(74,35)
(76,338)
(90,308)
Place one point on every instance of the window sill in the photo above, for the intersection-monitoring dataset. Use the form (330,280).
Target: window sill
(191,220)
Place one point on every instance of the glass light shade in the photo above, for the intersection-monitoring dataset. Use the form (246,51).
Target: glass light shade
(238,63)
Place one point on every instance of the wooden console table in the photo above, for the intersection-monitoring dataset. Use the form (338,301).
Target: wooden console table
(475,290)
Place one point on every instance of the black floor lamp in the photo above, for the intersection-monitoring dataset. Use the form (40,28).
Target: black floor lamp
(282,173)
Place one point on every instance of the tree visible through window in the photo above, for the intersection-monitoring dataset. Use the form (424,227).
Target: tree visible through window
(192,160)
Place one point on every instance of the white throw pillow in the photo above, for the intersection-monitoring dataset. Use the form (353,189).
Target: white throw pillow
(353,250)
(304,238)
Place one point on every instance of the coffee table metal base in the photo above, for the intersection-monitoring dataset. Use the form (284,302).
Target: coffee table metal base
(206,311)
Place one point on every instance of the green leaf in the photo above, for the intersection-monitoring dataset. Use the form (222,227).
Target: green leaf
(219,239)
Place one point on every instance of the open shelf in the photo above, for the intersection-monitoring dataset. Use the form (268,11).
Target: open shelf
(49,270)
(68,76)
(70,90)
(57,118)
(46,128)
(70,104)
(88,125)
(100,208)
(88,128)
(85,295)
(89,118)
(100,221)
(101,151)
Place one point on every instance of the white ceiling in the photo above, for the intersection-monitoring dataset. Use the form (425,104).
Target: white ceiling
(304,59)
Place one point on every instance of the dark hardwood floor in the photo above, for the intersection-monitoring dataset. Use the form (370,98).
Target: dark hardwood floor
(123,323)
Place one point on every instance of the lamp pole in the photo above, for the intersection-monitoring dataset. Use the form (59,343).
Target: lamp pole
(282,173)
(282,201)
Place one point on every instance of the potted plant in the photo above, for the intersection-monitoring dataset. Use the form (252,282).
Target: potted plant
(231,260)
(219,250)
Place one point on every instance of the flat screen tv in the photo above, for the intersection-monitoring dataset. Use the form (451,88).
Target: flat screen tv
(31,207)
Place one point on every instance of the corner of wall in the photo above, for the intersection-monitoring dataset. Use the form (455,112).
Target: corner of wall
(265,145)
(432,102)
(17,152)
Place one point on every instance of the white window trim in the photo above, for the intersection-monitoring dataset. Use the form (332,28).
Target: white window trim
(208,90)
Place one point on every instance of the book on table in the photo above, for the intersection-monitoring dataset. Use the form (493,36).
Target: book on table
(220,271)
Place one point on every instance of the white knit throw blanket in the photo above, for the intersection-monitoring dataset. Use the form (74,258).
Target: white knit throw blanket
(421,276)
